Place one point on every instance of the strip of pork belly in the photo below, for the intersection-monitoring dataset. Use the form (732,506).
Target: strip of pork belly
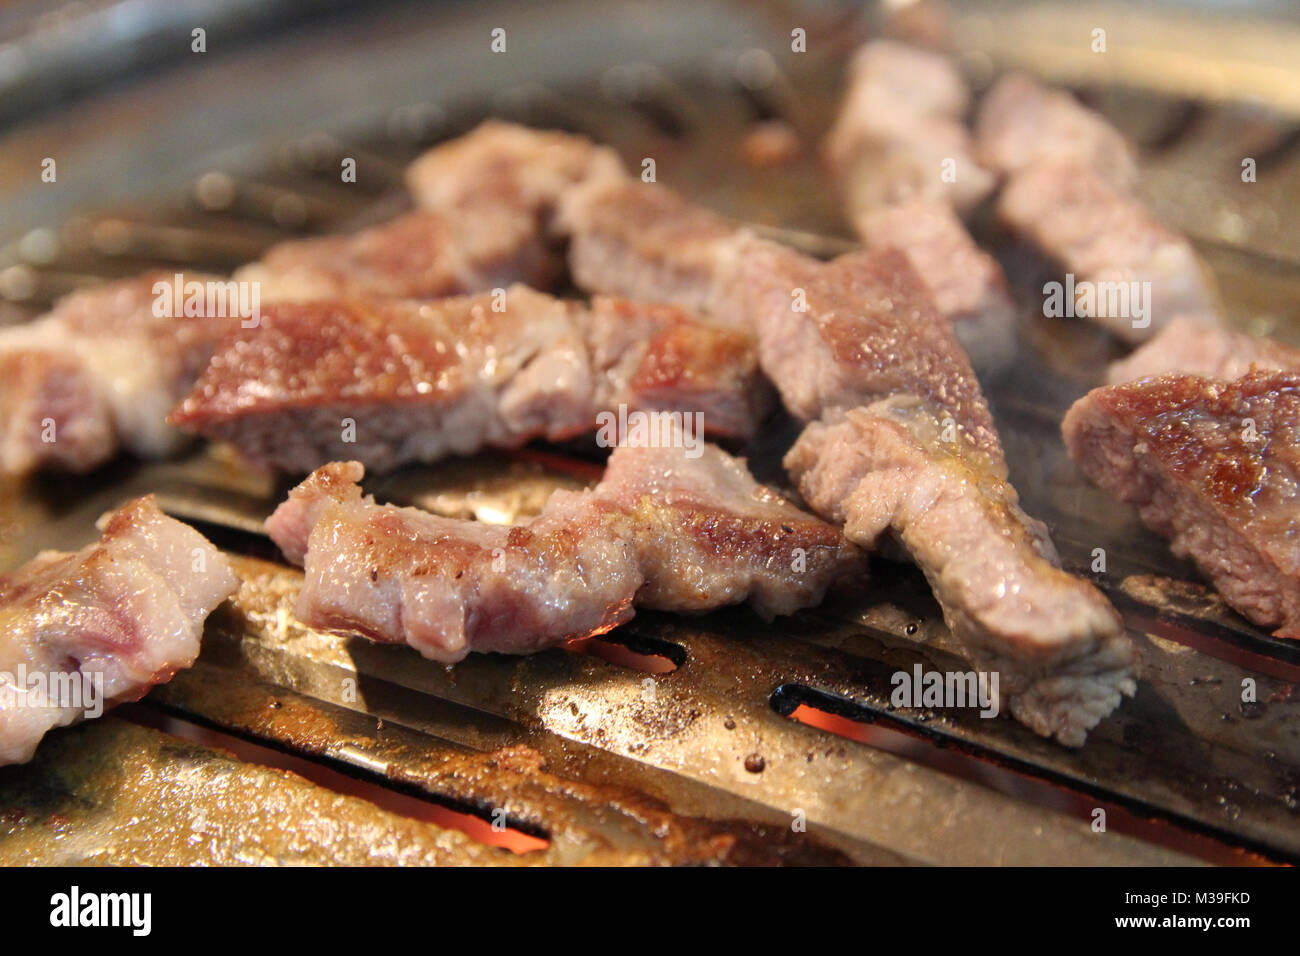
(966,282)
(663,529)
(1214,467)
(1102,234)
(899,95)
(646,242)
(1058,646)
(900,123)
(99,373)
(423,380)
(417,255)
(1195,348)
(508,178)
(839,335)
(127,611)
(1021,124)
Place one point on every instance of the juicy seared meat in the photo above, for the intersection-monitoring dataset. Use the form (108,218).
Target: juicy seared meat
(1057,644)
(1022,124)
(868,329)
(900,122)
(508,178)
(1101,234)
(966,282)
(662,530)
(1214,467)
(646,242)
(105,370)
(422,380)
(418,255)
(126,611)
(1195,348)
(42,386)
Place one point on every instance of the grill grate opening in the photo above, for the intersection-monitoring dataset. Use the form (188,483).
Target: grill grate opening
(880,730)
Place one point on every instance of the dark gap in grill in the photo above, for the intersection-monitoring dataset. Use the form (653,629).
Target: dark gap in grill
(1182,121)
(1023,781)
(344,778)
(542,108)
(1245,648)
(228,538)
(1280,150)
(627,648)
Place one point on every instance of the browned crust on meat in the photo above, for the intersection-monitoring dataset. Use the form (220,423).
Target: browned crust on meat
(1213,466)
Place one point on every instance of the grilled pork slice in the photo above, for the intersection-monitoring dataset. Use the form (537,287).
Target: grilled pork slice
(1196,348)
(899,134)
(646,242)
(418,255)
(1141,273)
(396,381)
(508,178)
(1214,467)
(101,626)
(662,530)
(99,372)
(966,282)
(839,335)
(1021,124)
(885,471)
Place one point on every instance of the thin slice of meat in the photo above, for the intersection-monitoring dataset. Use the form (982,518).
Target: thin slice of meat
(644,241)
(114,619)
(508,178)
(1057,645)
(418,255)
(901,156)
(398,381)
(899,134)
(1110,245)
(664,529)
(1214,467)
(1021,124)
(839,335)
(101,370)
(1197,348)
(966,282)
